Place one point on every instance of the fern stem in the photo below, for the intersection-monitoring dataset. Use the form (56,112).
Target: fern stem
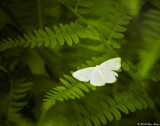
(76,7)
(111,36)
(108,45)
(75,13)
(39,13)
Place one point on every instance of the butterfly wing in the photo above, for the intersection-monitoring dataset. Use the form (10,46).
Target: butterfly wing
(97,78)
(84,74)
(101,76)
(112,64)
(109,75)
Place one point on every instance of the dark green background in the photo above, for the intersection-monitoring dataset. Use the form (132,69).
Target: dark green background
(31,91)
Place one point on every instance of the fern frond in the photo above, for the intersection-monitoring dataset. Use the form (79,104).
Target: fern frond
(49,38)
(151,42)
(133,6)
(113,29)
(154,74)
(18,98)
(109,108)
(156,3)
(72,88)
(83,6)
(80,6)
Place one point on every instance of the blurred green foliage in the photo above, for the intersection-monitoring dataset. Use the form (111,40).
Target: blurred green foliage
(42,42)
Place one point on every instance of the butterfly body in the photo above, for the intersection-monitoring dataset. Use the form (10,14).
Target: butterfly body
(100,74)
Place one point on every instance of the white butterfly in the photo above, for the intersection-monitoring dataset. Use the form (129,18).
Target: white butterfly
(101,74)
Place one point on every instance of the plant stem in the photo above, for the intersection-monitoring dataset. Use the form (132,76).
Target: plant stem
(75,13)
(76,7)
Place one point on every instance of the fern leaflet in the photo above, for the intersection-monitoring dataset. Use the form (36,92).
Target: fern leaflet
(151,42)
(113,29)
(18,98)
(110,108)
(49,38)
